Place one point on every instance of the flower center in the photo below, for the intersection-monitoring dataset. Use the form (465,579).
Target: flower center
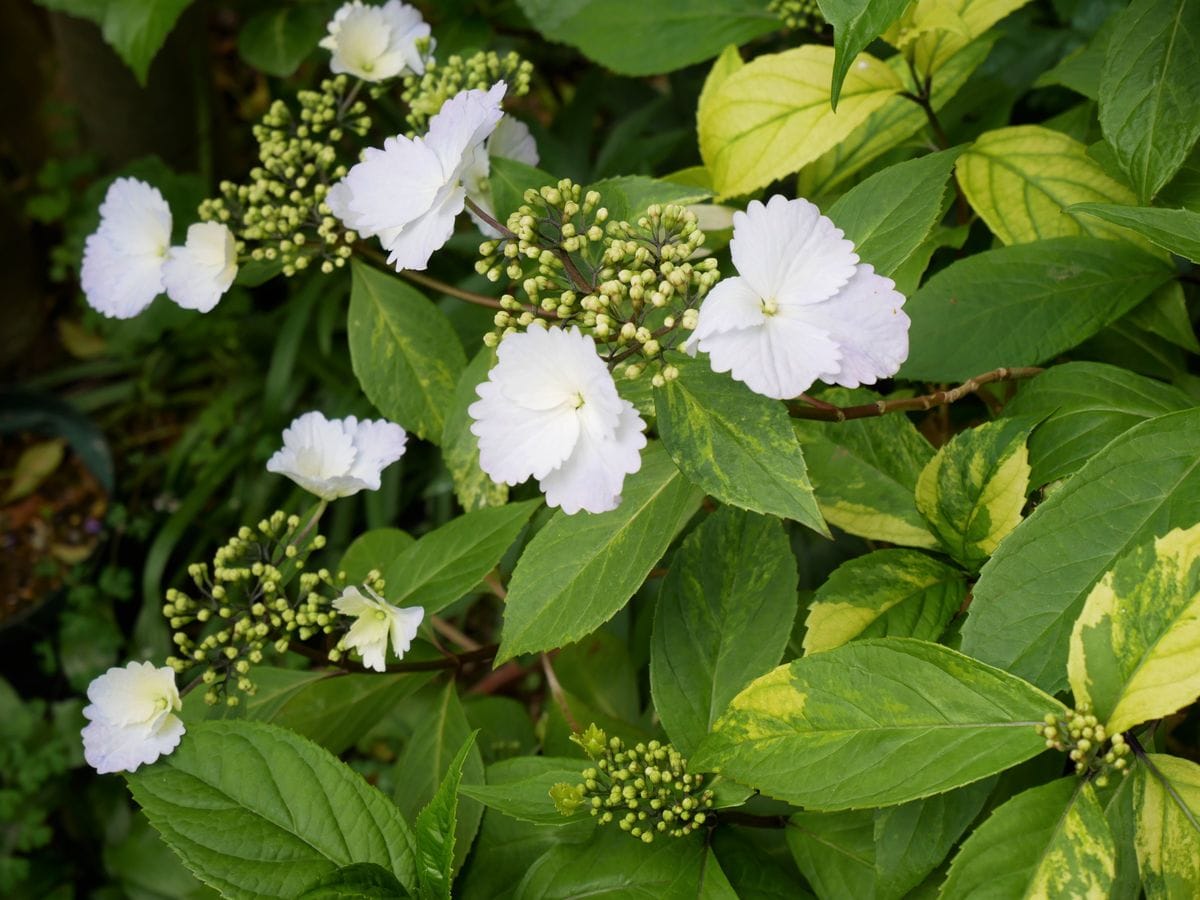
(380,615)
(769,306)
(577,401)
(161,703)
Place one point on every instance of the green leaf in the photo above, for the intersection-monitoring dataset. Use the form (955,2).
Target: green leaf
(897,120)
(855,24)
(1023,181)
(864,472)
(628,196)
(1141,485)
(435,826)
(374,549)
(509,180)
(1167,838)
(1135,648)
(235,785)
(1081,406)
(941,28)
(473,487)
(361,881)
(448,562)
(1147,91)
(875,722)
(404,352)
(579,570)
(835,851)
(723,618)
(651,38)
(889,215)
(1050,841)
(135,29)
(430,754)
(527,796)
(599,671)
(887,593)
(1118,811)
(735,444)
(772,116)
(277,40)
(973,490)
(614,865)
(1177,230)
(1023,305)
(1165,314)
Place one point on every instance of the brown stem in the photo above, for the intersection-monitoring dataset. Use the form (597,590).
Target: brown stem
(577,279)
(556,692)
(426,280)
(490,219)
(925,401)
(448,631)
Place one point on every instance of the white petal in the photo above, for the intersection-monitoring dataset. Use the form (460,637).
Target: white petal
(377,444)
(369,636)
(352,602)
(730,305)
(516,442)
(866,320)
(463,122)
(412,245)
(390,188)
(121,273)
(592,478)
(780,358)
(788,252)
(112,748)
(199,273)
(318,455)
(513,140)
(405,622)
(135,215)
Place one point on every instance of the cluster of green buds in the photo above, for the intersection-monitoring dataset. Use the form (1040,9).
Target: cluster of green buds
(800,14)
(635,287)
(241,608)
(426,93)
(646,789)
(1081,736)
(282,207)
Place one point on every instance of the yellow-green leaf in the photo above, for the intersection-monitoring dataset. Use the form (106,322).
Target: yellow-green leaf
(772,116)
(973,489)
(1167,838)
(941,28)
(1135,648)
(1022,181)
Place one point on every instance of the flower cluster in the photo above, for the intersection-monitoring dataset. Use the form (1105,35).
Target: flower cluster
(128,260)
(646,788)
(335,458)
(426,92)
(242,608)
(1087,743)
(801,14)
(283,207)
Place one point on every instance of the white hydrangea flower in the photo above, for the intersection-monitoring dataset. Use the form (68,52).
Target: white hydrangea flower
(550,410)
(511,140)
(409,193)
(197,274)
(376,43)
(123,259)
(337,457)
(375,621)
(131,717)
(802,308)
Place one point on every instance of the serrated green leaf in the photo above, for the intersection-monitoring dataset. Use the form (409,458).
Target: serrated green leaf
(973,490)
(404,352)
(1147,113)
(772,116)
(1166,804)
(235,784)
(361,881)
(855,24)
(1080,407)
(1024,304)
(1135,648)
(1165,314)
(579,570)
(887,593)
(835,851)
(652,38)
(1177,230)
(277,40)
(374,549)
(873,723)
(723,617)
(1118,812)
(527,797)
(434,829)
(1050,841)
(1024,180)
(735,444)
(135,29)
(889,215)
(1142,484)
(448,562)
(864,471)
